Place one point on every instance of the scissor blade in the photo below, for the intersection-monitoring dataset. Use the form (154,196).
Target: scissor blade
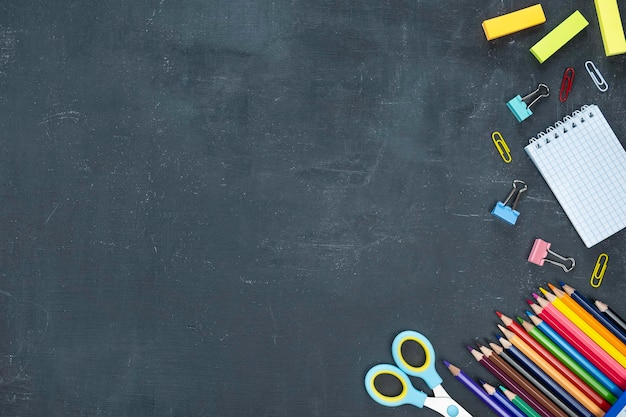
(440,392)
(443,405)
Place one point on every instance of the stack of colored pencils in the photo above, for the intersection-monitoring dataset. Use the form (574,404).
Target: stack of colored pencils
(566,359)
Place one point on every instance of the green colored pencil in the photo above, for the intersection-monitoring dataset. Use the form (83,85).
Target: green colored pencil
(568,361)
(519,403)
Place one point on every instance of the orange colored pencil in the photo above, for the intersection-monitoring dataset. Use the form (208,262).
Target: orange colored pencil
(587,347)
(523,382)
(554,362)
(586,328)
(551,371)
(586,316)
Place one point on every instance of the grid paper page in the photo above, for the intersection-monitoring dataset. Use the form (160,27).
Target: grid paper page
(584,164)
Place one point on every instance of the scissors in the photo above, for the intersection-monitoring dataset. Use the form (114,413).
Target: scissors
(441,402)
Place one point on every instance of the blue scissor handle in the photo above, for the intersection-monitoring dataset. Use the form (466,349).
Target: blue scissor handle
(408,394)
(425,371)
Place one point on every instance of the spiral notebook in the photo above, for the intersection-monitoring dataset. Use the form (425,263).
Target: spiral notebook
(584,164)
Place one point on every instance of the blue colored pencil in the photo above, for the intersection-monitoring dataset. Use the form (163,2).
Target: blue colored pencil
(574,354)
(522,371)
(544,378)
(473,386)
(591,309)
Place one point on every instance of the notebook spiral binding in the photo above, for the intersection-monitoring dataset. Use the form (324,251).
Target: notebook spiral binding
(559,128)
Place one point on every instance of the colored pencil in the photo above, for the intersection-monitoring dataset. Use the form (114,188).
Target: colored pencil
(585,328)
(523,382)
(471,385)
(593,310)
(572,403)
(604,309)
(504,354)
(508,381)
(568,361)
(519,403)
(551,371)
(587,347)
(502,400)
(575,354)
(563,370)
(589,319)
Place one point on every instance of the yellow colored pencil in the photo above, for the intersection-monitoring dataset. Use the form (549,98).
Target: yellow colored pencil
(585,328)
(586,316)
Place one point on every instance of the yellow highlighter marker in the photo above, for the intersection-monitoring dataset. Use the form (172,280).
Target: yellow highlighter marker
(513,22)
(559,36)
(611,27)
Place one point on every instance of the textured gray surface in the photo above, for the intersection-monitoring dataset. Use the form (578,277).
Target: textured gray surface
(229,208)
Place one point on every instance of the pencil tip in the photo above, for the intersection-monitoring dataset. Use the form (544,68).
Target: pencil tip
(498,313)
(529,302)
(445,362)
(552,287)
(543,290)
(535,295)
(529,313)
(562,284)
(520,319)
(470,348)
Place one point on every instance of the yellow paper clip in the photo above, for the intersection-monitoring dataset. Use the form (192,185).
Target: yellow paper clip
(599,270)
(501,146)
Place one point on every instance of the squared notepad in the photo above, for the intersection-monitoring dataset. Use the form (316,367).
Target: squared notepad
(584,164)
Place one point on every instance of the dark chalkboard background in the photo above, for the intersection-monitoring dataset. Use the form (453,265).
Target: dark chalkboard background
(231,207)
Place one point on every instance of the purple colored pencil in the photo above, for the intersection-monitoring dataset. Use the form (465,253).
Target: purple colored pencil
(471,385)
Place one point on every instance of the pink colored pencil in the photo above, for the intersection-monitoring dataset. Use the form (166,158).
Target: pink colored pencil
(583,343)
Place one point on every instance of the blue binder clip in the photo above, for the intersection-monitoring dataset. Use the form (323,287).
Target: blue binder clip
(506,213)
(520,106)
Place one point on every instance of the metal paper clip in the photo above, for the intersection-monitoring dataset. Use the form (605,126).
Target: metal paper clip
(506,213)
(595,75)
(566,84)
(501,146)
(520,106)
(599,270)
(539,253)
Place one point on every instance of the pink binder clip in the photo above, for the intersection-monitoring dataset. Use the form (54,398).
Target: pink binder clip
(539,255)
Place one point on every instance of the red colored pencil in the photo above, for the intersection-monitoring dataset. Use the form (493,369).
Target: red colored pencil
(551,371)
(574,336)
(557,364)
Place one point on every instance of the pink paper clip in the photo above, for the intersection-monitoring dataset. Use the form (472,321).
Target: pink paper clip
(566,84)
(539,255)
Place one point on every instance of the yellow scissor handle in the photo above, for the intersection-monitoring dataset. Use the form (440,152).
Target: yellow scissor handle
(407,395)
(424,370)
